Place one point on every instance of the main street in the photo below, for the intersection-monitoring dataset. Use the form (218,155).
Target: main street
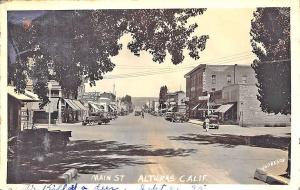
(131,149)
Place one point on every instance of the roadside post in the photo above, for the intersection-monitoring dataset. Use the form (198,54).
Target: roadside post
(49,87)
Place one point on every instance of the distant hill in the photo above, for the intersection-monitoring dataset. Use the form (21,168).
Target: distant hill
(140,101)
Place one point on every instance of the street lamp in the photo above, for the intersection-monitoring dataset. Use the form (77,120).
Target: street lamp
(49,87)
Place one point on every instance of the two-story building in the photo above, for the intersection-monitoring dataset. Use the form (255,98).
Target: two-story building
(233,95)
(211,79)
(62,109)
(176,101)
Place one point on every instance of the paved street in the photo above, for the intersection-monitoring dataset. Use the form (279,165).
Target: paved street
(151,150)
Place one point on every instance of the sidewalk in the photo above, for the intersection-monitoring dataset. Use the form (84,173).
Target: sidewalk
(195,121)
(273,172)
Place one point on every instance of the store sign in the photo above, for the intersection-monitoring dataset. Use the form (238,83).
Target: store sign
(204,97)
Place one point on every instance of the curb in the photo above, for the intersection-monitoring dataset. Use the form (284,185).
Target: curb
(195,123)
(269,178)
(68,176)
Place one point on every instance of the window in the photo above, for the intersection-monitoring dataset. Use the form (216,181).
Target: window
(244,79)
(229,79)
(213,79)
(213,89)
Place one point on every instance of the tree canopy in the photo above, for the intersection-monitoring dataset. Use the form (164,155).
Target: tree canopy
(163,95)
(270,32)
(71,46)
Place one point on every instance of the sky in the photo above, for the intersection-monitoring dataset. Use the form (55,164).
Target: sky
(228,43)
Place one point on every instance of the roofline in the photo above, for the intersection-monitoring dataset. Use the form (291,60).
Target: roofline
(201,66)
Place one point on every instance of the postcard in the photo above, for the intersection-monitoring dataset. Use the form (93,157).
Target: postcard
(140,95)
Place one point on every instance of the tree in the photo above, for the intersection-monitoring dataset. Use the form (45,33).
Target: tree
(163,96)
(68,46)
(270,38)
(127,100)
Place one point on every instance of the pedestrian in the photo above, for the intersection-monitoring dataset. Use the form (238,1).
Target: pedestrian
(142,114)
(206,124)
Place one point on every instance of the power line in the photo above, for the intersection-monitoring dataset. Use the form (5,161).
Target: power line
(238,55)
(185,67)
(163,70)
(133,75)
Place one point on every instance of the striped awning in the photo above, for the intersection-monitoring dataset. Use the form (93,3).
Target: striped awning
(94,106)
(171,108)
(79,104)
(111,107)
(224,108)
(73,105)
(195,107)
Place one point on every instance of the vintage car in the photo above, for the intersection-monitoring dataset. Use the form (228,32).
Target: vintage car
(137,112)
(179,117)
(96,117)
(213,122)
(169,116)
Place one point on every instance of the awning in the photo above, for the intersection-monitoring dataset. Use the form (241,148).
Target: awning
(111,107)
(72,104)
(26,97)
(195,107)
(94,106)
(224,108)
(79,104)
(171,108)
(203,106)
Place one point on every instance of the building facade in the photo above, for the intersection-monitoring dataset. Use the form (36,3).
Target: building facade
(211,79)
(233,95)
(176,101)
(246,108)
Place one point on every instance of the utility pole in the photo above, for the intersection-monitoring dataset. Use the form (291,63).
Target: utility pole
(49,87)
(208,96)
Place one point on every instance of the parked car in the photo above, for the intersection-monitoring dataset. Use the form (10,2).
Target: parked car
(137,112)
(169,116)
(112,115)
(213,122)
(179,117)
(154,113)
(96,117)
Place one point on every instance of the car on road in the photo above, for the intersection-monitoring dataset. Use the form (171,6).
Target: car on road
(169,116)
(96,118)
(213,122)
(137,112)
(179,117)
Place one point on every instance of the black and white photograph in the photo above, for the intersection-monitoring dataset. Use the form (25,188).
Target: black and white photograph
(149,96)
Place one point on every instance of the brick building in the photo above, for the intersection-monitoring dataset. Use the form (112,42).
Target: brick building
(232,92)
(210,79)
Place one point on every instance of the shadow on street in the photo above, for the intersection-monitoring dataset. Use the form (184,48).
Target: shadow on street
(231,141)
(89,157)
